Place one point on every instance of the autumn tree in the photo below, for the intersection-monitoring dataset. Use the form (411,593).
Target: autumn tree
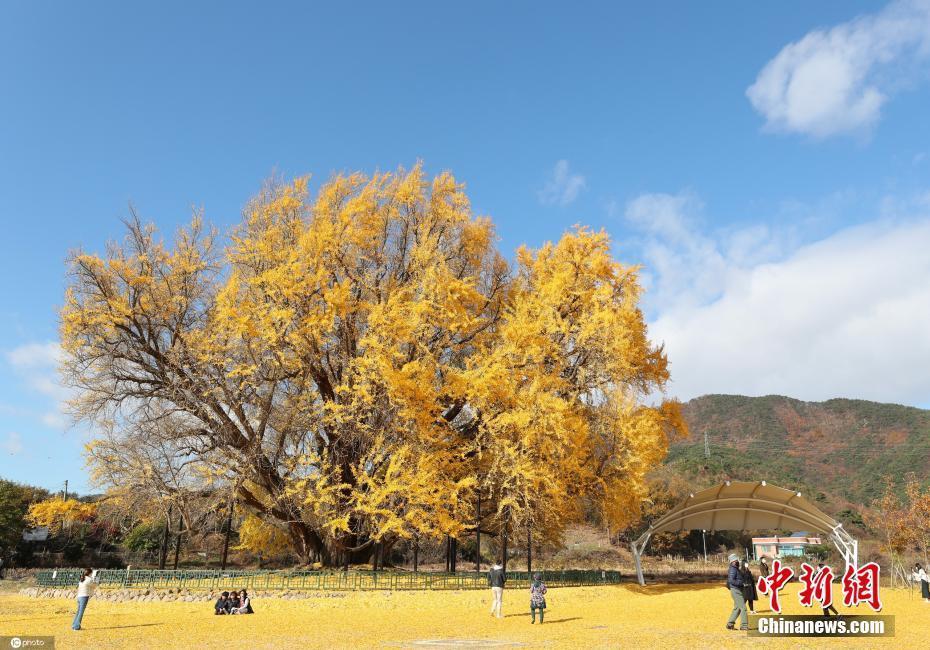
(917,516)
(152,479)
(889,519)
(360,367)
(15,500)
(58,513)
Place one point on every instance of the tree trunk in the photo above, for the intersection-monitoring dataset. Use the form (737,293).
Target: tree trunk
(177,544)
(226,539)
(504,548)
(529,551)
(478,536)
(163,554)
(453,555)
(416,552)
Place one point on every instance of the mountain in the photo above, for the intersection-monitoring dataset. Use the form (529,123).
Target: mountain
(836,452)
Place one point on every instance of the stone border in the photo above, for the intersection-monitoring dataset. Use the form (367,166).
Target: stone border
(172,595)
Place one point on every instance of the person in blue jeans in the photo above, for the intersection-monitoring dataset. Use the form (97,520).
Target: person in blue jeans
(86,588)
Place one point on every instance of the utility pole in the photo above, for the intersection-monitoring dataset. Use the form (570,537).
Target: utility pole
(66,489)
(706,446)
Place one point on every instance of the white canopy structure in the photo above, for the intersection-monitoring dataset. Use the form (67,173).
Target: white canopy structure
(736,505)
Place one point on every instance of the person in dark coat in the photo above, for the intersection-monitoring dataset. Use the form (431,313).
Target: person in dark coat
(735,586)
(222,604)
(763,567)
(749,586)
(233,603)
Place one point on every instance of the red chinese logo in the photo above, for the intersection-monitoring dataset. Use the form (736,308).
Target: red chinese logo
(773,583)
(861,586)
(818,585)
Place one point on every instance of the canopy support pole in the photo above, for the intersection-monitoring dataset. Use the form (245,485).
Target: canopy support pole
(846,545)
(638,547)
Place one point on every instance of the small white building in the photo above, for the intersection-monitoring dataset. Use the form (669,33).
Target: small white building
(36,534)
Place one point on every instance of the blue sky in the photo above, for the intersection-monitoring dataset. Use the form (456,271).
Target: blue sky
(767,163)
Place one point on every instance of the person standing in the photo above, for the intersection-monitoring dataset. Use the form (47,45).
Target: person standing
(496,580)
(537,598)
(86,588)
(749,586)
(763,567)
(831,608)
(735,585)
(920,575)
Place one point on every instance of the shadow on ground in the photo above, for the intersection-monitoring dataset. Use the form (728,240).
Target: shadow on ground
(671,588)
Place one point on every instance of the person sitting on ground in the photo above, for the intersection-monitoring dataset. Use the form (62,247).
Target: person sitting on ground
(222,604)
(537,598)
(245,604)
(233,603)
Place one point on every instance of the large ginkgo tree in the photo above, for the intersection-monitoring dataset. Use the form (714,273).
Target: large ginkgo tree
(363,367)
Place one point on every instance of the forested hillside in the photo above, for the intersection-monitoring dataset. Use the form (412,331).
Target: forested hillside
(837,452)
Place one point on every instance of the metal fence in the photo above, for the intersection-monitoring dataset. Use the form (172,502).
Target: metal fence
(316,580)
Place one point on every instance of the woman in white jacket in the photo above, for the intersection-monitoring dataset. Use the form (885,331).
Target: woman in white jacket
(86,588)
(921,576)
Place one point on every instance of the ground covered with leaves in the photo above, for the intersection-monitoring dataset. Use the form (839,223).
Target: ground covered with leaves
(657,616)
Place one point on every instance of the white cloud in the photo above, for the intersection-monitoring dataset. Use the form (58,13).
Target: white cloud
(12,444)
(846,316)
(35,355)
(836,80)
(686,267)
(37,364)
(563,187)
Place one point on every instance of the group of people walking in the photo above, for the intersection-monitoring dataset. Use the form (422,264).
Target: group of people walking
(496,580)
(742,586)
